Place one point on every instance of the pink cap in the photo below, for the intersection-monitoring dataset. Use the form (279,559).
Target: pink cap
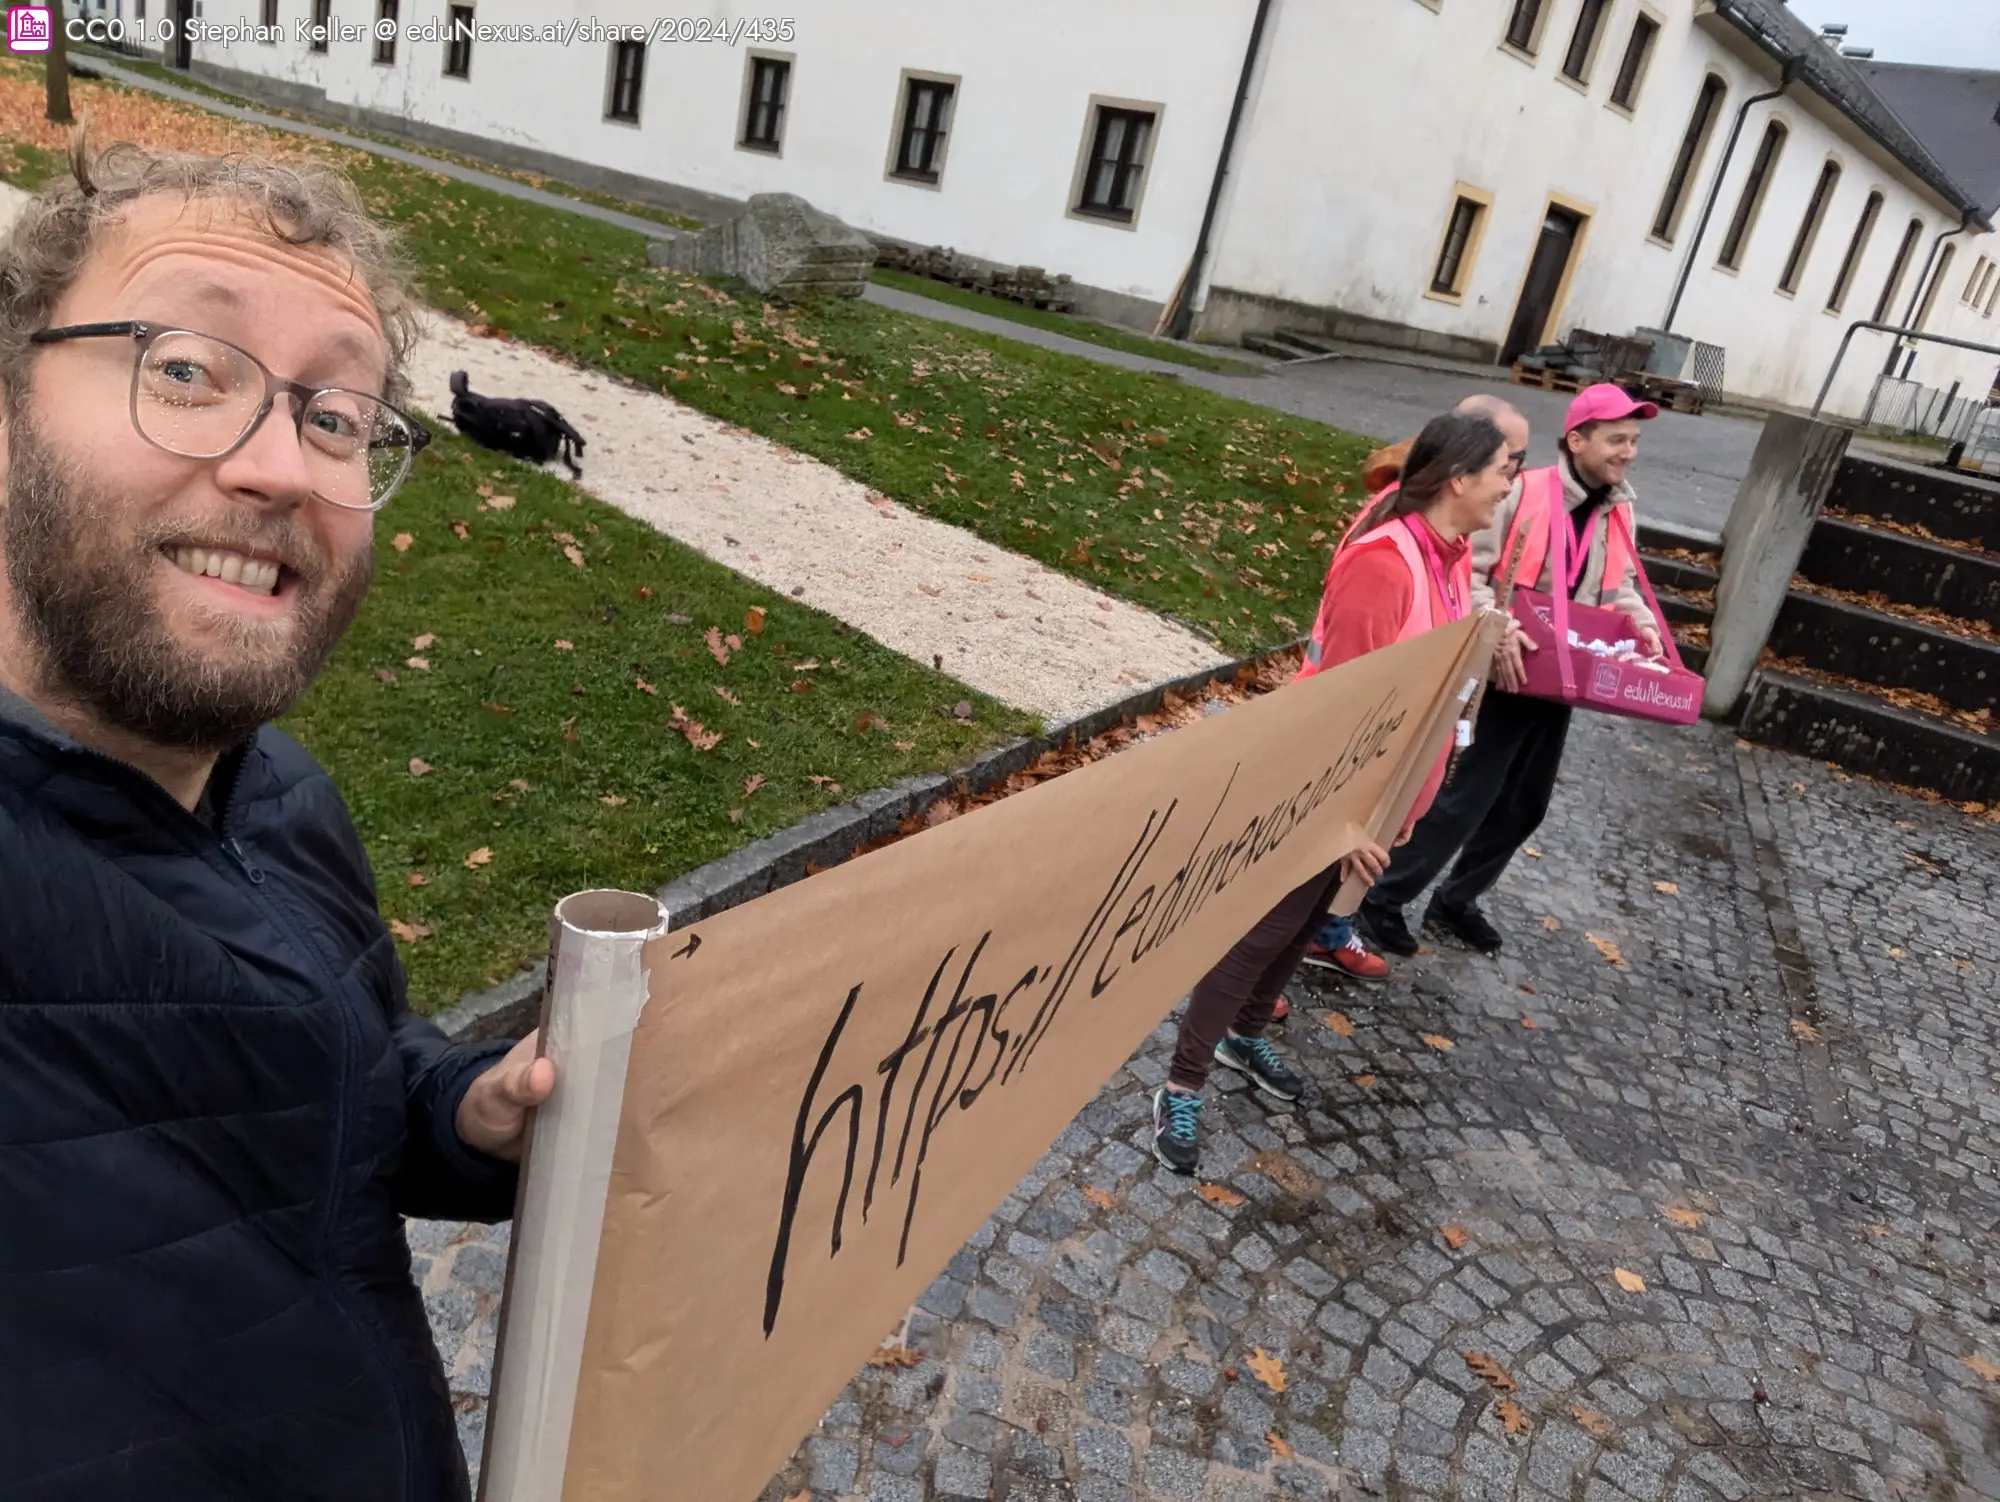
(1606,403)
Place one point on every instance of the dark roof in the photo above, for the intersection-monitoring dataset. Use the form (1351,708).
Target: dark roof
(1953,111)
(1836,79)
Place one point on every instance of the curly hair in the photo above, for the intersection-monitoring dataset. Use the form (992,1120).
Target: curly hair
(303,204)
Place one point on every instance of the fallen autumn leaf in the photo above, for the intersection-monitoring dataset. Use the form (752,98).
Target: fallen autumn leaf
(1511,1417)
(419,767)
(1608,949)
(1266,1368)
(1489,1371)
(1682,1216)
(423,641)
(1590,1420)
(1278,1446)
(1551,922)
(1339,1023)
(1454,1236)
(1628,1280)
(753,620)
(1098,1197)
(409,933)
(1442,1045)
(401,542)
(573,553)
(1667,887)
(478,858)
(1215,1194)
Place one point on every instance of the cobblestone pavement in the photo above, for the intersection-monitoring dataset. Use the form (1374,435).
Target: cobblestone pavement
(1703,1170)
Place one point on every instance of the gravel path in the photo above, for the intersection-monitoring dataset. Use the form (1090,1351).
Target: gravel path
(1006,625)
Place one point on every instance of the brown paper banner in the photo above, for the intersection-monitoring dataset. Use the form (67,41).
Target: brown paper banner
(831,1088)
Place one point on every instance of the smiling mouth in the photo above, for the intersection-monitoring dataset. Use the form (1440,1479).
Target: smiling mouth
(258,576)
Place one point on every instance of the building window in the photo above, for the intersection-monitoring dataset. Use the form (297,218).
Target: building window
(1694,145)
(385,46)
(1992,298)
(1975,285)
(1116,165)
(1900,269)
(458,41)
(1930,297)
(764,112)
(1460,248)
(1802,247)
(1751,204)
(322,17)
(269,18)
(920,134)
(1638,57)
(1583,41)
(628,79)
(1524,25)
(1856,249)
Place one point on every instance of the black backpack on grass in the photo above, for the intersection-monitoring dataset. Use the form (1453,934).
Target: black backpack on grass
(517,425)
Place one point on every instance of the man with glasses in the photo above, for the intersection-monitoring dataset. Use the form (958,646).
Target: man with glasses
(215,1104)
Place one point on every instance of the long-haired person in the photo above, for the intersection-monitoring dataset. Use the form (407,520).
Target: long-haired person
(1405,569)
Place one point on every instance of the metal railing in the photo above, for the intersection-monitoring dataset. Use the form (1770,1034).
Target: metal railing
(1870,324)
(1908,407)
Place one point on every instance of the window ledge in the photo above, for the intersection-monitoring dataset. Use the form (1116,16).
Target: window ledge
(1728,270)
(762,148)
(1117,219)
(621,120)
(1518,54)
(1629,111)
(1788,296)
(931,180)
(1451,299)
(1581,85)
(1660,242)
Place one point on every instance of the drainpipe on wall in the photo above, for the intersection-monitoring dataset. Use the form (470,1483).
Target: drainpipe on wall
(1917,294)
(1183,313)
(1793,67)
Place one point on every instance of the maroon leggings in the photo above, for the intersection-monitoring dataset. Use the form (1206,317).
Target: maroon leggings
(1242,991)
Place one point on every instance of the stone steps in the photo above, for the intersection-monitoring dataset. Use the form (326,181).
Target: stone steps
(1861,559)
(1867,734)
(1879,654)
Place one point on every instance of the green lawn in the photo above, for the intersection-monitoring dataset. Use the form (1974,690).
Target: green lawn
(1213,511)
(1086,329)
(554,757)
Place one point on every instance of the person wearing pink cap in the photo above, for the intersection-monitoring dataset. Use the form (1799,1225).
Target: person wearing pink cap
(1500,790)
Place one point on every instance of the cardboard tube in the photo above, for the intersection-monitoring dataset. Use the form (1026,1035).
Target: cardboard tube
(596,990)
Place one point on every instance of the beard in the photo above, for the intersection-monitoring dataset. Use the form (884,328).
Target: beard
(85,587)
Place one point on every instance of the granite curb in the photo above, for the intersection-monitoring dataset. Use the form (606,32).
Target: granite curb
(826,838)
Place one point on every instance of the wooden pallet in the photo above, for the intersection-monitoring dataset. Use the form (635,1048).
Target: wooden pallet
(1546,380)
(1676,396)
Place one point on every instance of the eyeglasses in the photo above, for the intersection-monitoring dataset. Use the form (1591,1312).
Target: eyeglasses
(201,398)
(1516,462)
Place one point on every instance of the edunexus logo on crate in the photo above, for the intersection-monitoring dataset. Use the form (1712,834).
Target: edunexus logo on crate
(29,29)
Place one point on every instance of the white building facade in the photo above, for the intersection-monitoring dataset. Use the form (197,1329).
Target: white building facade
(1471,176)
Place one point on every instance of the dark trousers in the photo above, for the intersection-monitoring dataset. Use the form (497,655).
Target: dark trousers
(1241,992)
(1496,797)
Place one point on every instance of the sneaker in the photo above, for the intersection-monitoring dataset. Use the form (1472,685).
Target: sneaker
(1467,924)
(1256,1058)
(1176,1129)
(1387,928)
(1351,960)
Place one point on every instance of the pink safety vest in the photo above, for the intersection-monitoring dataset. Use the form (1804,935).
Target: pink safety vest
(1542,501)
(1398,535)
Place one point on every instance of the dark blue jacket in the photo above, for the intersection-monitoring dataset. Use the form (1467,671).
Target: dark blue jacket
(214,1107)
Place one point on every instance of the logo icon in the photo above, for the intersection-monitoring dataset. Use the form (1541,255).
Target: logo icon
(1604,683)
(28,29)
